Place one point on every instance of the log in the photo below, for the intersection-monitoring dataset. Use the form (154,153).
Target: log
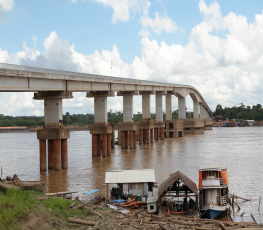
(101,216)
(71,205)
(79,221)
(163,227)
(79,206)
(221,225)
(237,205)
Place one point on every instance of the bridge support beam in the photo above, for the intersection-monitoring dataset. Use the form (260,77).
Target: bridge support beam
(102,131)
(196,109)
(181,107)
(158,123)
(43,155)
(53,130)
(202,112)
(127,128)
(169,107)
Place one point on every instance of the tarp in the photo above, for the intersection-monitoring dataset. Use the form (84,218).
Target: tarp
(118,201)
(92,191)
(224,175)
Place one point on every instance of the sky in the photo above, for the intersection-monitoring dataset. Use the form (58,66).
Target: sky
(215,46)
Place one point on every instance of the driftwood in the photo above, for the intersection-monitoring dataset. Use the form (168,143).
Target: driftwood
(101,216)
(79,206)
(71,205)
(79,221)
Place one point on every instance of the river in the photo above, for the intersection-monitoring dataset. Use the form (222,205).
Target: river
(239,148)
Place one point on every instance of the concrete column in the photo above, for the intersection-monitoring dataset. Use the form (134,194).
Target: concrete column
(151,135)
(50,154)
(144,135)
(127,108)
(64,153)
(52,112)
(196,109)
(94,145)
(104,144)
(43,155)
(202,111)
(155,133)
(181,108)
(100,109)
(123,139)
(140,136)
(146,102)
(57,154)
(134,139)
(168,103)
(131,139)
(98,144)
(126,139)
(108,144)
(147,135)
(159,107)
(162,133)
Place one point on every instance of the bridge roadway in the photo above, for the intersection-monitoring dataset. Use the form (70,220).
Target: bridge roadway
(53,86)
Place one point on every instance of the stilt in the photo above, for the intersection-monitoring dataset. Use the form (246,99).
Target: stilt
(109,144)
(57,154)
(151,135)
(50,154)
(155,133)
(134,139)
(147,134)
(123,139)
(140,136)
(43,155)
(94,145)
(104,144)
(131,139)
(98,145)
(162,133)
(126,139)
(64,153)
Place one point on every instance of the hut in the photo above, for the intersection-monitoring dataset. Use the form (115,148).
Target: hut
(138,183)
(177,195)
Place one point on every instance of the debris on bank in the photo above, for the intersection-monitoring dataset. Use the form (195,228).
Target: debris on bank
(15,182)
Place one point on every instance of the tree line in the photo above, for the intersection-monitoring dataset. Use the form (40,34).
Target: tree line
(240,112)
(74,119)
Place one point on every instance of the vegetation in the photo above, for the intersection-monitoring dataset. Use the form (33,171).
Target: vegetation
(14,204)
(74,119)
(241,112)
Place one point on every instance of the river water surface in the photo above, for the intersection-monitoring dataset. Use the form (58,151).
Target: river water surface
(239,148)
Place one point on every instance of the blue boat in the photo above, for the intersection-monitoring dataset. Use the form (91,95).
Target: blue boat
(214,194)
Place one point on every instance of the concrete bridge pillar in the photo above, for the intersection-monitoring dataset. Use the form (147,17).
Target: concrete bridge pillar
(196,109)
(146,125)
(158,124)
(202,112)
(102,132)
(53,130)
(168,107)
(181,108)
(127,128)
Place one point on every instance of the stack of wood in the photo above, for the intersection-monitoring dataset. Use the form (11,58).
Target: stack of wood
(142,220)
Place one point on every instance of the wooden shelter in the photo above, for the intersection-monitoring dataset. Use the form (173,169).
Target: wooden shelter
(177,194)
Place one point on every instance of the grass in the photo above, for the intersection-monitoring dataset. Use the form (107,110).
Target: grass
(14,204)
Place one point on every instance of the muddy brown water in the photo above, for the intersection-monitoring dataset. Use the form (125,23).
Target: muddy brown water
(239,148)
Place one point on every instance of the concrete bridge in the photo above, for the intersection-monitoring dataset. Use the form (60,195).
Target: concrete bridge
(53,86)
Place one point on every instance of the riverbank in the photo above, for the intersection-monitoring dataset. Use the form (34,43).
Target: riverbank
(33,210)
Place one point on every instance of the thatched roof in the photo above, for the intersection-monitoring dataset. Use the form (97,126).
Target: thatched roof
(174,177)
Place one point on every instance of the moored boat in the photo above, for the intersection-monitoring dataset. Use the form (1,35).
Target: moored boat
(214,194)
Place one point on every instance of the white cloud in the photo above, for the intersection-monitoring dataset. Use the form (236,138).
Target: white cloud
(144,33)
(74,1)
(5,5)
(159,23)
(225,70)
(123,8)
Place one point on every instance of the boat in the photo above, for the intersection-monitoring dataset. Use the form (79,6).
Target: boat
(214,194)
(92,200)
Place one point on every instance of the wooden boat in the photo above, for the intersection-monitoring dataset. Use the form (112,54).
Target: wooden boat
(214,194)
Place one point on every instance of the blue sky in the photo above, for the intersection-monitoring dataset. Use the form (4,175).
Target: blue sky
(212,45)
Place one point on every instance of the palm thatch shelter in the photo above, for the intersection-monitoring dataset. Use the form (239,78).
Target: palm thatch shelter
(177,194)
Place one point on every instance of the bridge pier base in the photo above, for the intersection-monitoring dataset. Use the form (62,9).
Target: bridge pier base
(43,155)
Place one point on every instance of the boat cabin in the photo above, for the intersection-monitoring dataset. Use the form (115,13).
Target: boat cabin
(134,184)
(213,185)
(177,195)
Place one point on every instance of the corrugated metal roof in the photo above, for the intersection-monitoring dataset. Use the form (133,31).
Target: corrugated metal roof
(212,168)
(130,176)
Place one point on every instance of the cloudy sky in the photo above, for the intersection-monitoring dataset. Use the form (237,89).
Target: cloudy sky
(215,46)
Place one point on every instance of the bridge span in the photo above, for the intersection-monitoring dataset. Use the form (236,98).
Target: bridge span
(53,86)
